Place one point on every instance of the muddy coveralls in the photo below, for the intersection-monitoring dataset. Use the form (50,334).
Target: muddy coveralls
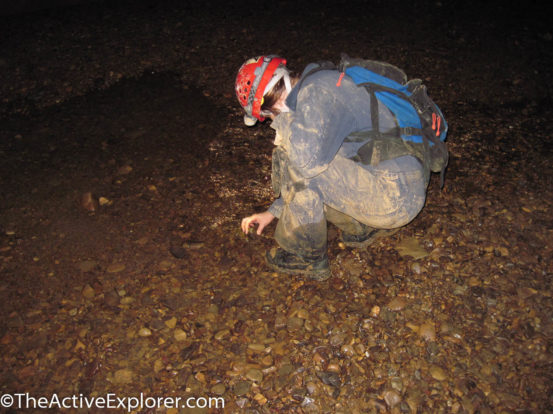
(320,174)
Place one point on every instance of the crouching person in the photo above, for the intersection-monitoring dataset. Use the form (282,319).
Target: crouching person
(338,158)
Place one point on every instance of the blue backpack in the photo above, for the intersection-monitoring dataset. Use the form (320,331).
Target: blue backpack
(421,128)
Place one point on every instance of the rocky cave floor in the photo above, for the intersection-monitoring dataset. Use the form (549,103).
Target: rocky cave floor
(125,170)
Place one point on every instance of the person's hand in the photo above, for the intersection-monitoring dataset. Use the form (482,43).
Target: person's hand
(261,219)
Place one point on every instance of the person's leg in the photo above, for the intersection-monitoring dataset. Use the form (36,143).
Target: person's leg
(301,235)
(387,196)
(301,229)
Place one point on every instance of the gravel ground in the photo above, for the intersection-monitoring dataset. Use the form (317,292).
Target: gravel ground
(125,170)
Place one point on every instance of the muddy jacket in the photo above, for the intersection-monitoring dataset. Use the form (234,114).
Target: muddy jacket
(323,112)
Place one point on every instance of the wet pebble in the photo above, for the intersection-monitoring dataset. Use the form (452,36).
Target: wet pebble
(347,350)
(267,360)
(375,311)
(179,335)
(329,378)
(437,373)
(280,322)
(302,314)
(124,170)
(111,298)
(223,333)
(257,347)
(127,300)
(123,376)
(333,367)
(294,323)
(285,370)
(241,388)
(254,375)
(89,202)
(87,265)
(88,292)
(171,323)
(115,268)
(165,265)
(337,339)
(144,332)
(218,389)
(178,252)
(260,399)
(397,304)
(427,331)
(311,387)
(392,398)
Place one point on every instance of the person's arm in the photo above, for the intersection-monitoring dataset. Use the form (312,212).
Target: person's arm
(276,208)
(314,132)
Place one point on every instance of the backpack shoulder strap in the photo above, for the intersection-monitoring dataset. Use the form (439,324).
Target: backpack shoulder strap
(322,65)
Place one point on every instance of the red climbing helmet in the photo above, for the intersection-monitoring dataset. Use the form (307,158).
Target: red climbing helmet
(251,82)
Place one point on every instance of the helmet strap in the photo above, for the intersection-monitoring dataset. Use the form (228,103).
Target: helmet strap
(280,73)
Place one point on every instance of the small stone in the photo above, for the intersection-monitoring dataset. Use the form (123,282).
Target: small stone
(294,323)
(311,387)
(218,389)
(257,347)
(254,375)
(221,334)
(267,360)
(397,304)
(165,265)
(392,398)
(260,399)
(397,384)
(375,311)
(104,201)
(428,331)
(347,350)
(303,314)
(241,388)
(127,300)
(171,323)
(123,376)
(285,370)
(124,170)
(179,335)
(416,267)
(79,346)
(178,252)
(280,321)
(318,359)
(88,202)
(437,373)
(337,339)
(144,332)
(88,292)
(115,268)
(87,265)
(158,365)
(333,367)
